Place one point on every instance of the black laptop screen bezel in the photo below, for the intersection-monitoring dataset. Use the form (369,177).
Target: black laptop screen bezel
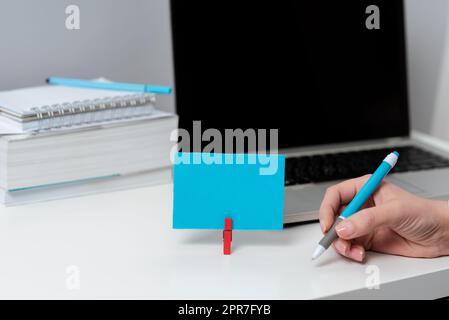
(402,128)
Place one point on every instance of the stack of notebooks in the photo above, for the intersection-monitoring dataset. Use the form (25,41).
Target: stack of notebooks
(58,142)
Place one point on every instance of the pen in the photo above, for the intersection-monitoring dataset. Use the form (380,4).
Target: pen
(360,198)
(92,84)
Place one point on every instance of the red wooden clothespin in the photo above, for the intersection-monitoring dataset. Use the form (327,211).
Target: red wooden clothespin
(227,236)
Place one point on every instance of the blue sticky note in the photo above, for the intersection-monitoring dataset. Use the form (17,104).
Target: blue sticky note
(249,188)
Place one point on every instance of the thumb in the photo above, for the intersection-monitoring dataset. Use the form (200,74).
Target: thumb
(364,222)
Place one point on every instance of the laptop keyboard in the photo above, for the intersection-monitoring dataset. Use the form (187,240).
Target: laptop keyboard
(345,165)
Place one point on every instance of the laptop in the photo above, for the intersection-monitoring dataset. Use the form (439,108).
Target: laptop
(330,80)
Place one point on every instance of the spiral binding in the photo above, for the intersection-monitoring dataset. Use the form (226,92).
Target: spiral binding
(88,111)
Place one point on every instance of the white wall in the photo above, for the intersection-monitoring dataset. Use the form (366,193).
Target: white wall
(428,61)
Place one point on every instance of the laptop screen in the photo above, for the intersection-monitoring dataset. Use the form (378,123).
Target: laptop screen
(318,71)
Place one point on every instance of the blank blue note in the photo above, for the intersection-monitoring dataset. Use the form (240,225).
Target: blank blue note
(206,194)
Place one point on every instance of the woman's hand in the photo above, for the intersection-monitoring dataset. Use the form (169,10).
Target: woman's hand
(392,221)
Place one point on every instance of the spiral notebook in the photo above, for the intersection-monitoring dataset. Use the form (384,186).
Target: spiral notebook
(57,107)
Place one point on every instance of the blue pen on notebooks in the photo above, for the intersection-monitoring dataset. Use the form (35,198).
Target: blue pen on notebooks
(359,200)
(92,84)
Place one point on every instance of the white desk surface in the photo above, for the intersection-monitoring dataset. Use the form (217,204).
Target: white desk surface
(123,247)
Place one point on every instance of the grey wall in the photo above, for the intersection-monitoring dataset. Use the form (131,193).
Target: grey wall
(125,40)
(129,40)
(428,58)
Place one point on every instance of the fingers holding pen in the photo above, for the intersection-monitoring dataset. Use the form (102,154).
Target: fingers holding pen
(349,250)
(336,198)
